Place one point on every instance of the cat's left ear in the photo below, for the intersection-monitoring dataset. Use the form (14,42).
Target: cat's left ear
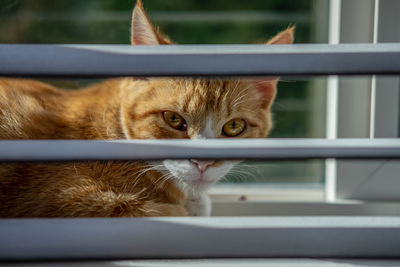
(143,31)
(267,86)
(284,37)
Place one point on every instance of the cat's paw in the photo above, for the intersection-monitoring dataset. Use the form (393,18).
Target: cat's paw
(198,205)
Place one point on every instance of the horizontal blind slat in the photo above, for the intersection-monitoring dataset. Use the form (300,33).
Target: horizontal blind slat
(283,149)
(165,238)
(86,61)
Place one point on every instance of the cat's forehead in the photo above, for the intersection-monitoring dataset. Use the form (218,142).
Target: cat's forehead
(208,94)
(207,89)
(201,96)
(199,83)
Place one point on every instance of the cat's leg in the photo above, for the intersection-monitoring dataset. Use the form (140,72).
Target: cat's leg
(198,205)
(86,202)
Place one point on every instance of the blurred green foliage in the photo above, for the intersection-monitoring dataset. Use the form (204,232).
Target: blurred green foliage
(58,21)
(174,5)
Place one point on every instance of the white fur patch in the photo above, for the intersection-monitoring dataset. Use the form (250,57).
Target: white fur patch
(207,130)
(199,205)
(188,178)
(187,175)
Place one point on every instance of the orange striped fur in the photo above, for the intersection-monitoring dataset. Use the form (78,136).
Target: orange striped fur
(124,108)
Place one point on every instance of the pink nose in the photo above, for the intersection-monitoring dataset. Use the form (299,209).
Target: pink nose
(202,165)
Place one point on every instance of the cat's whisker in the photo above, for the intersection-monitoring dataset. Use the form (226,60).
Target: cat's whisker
(240,177)
(235,106)
(145,171)
(152,167)
(142,172)
(161,180)
(225,178)
(280,105)
(76,170)
(243,94)
(244,173)
(168,178)
(234,91)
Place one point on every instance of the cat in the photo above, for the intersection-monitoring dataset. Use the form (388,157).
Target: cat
(128,108)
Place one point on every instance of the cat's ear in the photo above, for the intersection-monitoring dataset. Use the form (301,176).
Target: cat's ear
(143,31)
(267,86)
(284,37)
(267,89)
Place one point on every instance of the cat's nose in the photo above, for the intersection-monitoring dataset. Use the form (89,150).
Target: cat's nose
(202,165)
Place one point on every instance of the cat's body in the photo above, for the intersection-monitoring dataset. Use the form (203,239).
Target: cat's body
(126,108)
(33,110)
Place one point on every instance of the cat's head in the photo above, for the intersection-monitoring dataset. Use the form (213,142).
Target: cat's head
(184,108)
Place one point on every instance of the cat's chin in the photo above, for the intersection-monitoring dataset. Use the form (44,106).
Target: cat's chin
(188,178)
(199,185)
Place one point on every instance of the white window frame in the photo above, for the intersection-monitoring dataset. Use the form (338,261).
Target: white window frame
(369,106)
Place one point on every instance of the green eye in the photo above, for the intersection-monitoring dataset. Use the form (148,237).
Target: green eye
(234,127)
(174,120)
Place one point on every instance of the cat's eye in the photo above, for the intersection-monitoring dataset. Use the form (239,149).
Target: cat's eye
(174,120)
(234,127)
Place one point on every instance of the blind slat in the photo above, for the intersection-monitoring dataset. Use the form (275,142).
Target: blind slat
(68,150)
(245,237)
(86,61)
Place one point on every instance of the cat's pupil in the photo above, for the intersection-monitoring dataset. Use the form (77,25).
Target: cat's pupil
(173,118)
(233,124)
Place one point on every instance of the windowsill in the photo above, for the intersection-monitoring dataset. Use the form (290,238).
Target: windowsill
(254,199)
(301,208)
(289,192)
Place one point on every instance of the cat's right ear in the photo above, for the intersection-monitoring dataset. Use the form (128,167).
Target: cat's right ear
(143,32)
(267,86)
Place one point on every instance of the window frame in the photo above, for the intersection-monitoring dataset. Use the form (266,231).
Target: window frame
(377,113)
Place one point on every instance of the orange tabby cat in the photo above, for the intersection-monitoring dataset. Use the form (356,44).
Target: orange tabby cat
(127,108)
